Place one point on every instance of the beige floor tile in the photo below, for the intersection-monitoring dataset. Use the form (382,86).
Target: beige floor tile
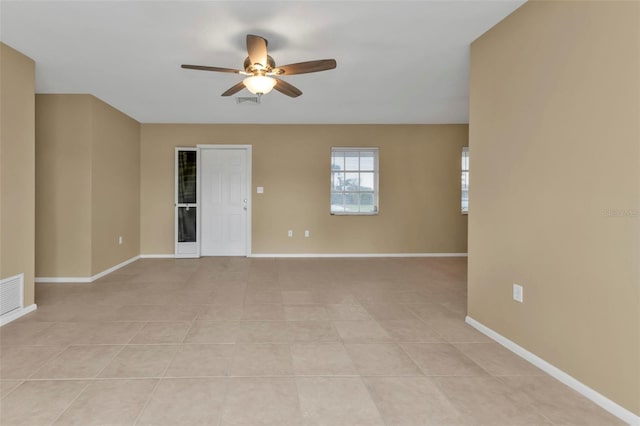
(22,332)
(261,277)
(268,312)
(361,331)
(262,297)
(454,330)
(313,331)
(60,334)
(78,362)
(389,311)
(109,333)
(432,310)
(38,402)
(497,360)
(196,360)
(457,305)
(442,359)
(108,402)
(381,359)
(162,332)
(140,361)
(261,401)
(195,297)
(299,297)
(264,332)
(261,359)
(294,284)
(411,297)
(143,296)
(222,313)
(411,401)
(6,386)
(19,362)
(336,401)
(185,402)
(94,312)
(336,297)
(306,313)
(409,330)
(233,294)
(213,332)
(372,294)
(486,400)
(321,359)
(559,403)
(157,313)
(53,313)
(347,311)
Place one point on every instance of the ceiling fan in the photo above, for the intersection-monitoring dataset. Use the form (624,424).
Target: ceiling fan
(261,70)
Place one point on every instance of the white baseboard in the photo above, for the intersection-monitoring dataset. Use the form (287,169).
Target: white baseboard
(85,279)
(321,255)
(72,280)
(355,255)
(6,319)
(604,402)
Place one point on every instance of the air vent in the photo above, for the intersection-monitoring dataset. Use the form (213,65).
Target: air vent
(11,290)
(248,100)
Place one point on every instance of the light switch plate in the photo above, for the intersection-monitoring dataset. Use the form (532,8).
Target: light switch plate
(260,190)
(518,295)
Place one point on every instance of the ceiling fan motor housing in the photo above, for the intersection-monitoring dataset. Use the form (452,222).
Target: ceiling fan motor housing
(250,68)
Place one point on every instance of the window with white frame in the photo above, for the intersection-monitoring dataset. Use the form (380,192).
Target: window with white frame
(465,180)
(354,181)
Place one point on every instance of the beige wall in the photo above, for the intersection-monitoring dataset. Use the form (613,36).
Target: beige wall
(419,187)
(115,187)
(88,186)
(554,147)
(17,168)
(63,185)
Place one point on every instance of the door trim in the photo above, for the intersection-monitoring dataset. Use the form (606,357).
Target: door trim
(248,150)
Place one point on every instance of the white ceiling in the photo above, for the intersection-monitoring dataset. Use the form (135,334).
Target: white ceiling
(398,61)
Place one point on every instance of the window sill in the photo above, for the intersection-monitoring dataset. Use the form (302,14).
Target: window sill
(353,214)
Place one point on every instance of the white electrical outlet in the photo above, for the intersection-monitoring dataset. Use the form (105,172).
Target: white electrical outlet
(306,233)
(120,240)
(518,294)
(290,233)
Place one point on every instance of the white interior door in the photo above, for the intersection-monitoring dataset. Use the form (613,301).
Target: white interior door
(224,201)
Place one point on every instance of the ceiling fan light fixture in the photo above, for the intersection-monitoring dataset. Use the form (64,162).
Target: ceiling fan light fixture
(259,84)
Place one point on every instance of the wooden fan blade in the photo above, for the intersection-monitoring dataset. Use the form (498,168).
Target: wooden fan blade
(286,88)
(204,68)
(305,67)
(257,49)
(235,89)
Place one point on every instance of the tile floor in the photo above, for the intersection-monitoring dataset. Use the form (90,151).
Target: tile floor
(236,341)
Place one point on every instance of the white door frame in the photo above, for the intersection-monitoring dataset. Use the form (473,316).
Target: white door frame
(247,148)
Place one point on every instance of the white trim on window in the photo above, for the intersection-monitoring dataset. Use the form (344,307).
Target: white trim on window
(354,181)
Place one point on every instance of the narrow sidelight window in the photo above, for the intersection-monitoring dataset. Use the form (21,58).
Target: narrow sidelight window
(465,180)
